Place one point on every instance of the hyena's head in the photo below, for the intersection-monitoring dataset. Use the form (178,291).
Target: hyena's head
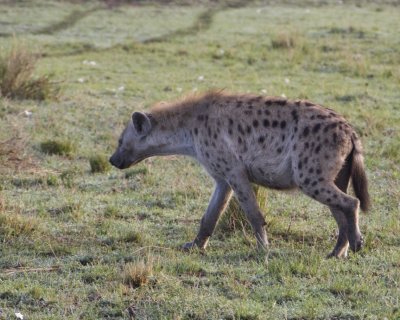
(132,145)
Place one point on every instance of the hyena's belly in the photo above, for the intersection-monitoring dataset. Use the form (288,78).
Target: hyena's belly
(275,175)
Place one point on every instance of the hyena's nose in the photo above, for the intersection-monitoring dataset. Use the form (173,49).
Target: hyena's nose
(112,161)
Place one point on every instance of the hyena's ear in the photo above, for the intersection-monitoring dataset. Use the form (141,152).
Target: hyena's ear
(141,123)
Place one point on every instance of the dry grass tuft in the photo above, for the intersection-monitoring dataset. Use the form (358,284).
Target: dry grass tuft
(17,80)
(137,274)
(99,164)
(13,154)
(62,148)
(283,40)
(13,224)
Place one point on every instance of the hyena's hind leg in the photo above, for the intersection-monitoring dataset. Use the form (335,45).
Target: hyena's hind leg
(342,244)
(343,207)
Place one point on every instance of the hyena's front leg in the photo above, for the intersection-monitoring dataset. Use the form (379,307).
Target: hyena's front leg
(244,192)
(218,202)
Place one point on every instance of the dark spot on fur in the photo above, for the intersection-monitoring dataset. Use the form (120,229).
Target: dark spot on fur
(295,129)
(295,115)
(248,112)
(215,136)
(316,128)
(294,147)
(259,112)
(318,148)
(230,131)
(320,179)
(335,196)
(255,123)
(230,121)
(248,129)
(239,140)
(196,131)
(283,137)
(240,129)
(306,145)
(312,117)
(261,139)
(266,123)
(301,175)
(334,137)
(207,155)
(206,143)
(300,165)
(314,183)
(306,131)
(318,171)
(279,150)
(311,170)
(268,103)
(307,181)
(316,192)
(209,132)
(328,200)
(305,160)
(283,124)
(274,124)
(267,113)
(200,117)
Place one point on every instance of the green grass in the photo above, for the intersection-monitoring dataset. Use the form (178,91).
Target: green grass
(78,245)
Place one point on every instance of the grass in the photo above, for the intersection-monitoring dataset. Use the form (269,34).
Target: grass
(17,80)
(62,148)
(99,163)
(106,246)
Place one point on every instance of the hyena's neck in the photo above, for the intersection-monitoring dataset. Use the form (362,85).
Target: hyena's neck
(171,138)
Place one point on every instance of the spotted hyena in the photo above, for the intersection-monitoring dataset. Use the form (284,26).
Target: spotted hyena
(269,141)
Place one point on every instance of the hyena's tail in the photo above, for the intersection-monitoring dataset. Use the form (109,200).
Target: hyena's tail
(358,176)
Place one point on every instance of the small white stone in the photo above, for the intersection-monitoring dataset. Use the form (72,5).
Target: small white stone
(121,88)
(283,95)
(90,63)
(287,81)
(81,80)
(179,89)
(200,78)
(19,315)
(263,91)
(27,113)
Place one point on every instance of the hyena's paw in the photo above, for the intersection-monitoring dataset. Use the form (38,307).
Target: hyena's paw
(338,255)
(356,242)
(188,246)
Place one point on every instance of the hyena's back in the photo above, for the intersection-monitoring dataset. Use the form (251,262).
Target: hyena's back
(281,143)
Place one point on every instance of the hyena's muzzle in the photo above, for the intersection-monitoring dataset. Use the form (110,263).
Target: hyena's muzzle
(119,161)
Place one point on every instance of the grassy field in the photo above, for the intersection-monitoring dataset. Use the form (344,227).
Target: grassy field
(81,245)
